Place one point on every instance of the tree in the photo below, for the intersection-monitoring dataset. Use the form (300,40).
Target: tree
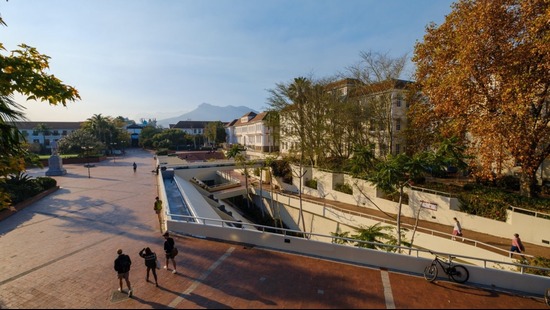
(395,172)
(234,151)
(485,72)
(73,143)
(146,136)
(44,130)
(23,71)
(215,132)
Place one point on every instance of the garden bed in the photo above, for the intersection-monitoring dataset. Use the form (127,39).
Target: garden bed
(7,212)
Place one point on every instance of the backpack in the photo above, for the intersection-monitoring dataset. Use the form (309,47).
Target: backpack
(124,263)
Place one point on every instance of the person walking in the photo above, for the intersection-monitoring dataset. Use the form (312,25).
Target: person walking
(517,245)
(158,208)
(122,267)
(457,229)
(170,251)
(150,258)
(135,166)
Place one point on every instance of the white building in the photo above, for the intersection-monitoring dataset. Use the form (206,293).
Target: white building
(252,131)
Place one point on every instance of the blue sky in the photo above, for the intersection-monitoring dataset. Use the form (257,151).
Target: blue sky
(160,59)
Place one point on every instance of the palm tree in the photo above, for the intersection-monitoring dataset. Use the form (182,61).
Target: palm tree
(10,136)
(298,93)
(44,130)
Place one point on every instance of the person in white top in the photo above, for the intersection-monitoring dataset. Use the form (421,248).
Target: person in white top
(457,229)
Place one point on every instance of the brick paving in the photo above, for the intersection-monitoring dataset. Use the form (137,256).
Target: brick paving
(59,252)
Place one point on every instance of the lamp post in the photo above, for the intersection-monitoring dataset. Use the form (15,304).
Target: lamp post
(113,148)
(86,151)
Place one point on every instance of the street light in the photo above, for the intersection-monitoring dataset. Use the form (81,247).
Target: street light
(113,144)
(86,151)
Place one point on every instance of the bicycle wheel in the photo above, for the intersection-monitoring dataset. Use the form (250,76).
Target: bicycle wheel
(459,273)
(430,272)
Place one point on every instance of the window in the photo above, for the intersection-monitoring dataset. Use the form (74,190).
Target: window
(56,133)
(35,133)
(397,149)
(64,133)
(398,124)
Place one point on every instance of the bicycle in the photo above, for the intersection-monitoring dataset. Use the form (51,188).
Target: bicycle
(547,296)
(457,273)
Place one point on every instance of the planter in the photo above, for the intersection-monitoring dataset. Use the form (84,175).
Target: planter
(7,212)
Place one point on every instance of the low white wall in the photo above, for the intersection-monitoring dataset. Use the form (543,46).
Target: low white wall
(376,259)
(326,220)
(532,229)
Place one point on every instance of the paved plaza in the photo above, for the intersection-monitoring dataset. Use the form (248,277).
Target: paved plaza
(59,253)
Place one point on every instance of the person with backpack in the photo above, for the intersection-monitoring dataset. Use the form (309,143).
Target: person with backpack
(150,258)
(122,267)
(517,246)
(170,250)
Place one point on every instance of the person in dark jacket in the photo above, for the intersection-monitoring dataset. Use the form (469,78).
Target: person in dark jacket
(150,258)
(122,267)
(169,246)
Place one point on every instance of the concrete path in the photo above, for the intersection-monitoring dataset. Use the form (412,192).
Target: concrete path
(59,253)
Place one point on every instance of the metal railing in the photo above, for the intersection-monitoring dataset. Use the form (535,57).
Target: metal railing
(432,232)
(402,250)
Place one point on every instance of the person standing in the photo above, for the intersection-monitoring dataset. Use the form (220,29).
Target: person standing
(158,207)
(169,250)
(135,166)
(457,229)
(150,258)
(122,267)
(517,245)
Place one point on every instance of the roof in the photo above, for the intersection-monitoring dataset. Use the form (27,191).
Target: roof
(191,124)
(50,125)
(256,119)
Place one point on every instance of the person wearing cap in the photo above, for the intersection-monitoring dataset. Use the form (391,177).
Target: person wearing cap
(122,267)
(169,246)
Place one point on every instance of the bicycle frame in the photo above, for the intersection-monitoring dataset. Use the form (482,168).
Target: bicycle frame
(457,273)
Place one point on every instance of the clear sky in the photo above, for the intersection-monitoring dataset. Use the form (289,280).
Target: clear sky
(162,58)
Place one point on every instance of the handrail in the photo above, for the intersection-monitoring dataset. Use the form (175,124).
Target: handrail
(433,191)
(401,250)
(529,212)
(476,243)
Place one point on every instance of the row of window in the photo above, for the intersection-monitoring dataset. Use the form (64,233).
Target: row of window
(47,133)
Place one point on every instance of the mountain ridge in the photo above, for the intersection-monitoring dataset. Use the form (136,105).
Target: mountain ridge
(209,112)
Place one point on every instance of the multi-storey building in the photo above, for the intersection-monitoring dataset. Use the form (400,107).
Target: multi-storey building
(384,109)
(44,133)
(253,132)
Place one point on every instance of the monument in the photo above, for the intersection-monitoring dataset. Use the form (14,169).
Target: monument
(55,163)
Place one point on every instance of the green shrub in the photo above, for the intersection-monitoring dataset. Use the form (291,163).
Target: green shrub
(344,188)
(281,169)
(46,182)
(311,183)
(508,182)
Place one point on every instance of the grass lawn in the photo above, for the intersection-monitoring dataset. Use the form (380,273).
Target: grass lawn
(62,156)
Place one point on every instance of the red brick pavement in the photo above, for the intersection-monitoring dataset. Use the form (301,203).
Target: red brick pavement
(59,252)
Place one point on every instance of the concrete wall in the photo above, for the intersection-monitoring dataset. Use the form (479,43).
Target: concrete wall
(532,229)
(370,258)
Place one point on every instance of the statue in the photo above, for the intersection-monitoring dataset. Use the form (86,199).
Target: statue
(54,147)
(55,163)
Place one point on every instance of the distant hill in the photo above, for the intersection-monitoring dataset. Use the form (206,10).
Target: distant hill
(208,112)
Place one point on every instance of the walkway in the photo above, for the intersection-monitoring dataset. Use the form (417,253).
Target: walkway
(59,252)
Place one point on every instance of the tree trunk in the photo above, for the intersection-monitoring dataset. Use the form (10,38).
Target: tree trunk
(527,184)
(399,216)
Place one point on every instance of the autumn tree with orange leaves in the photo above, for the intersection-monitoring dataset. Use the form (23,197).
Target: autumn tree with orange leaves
(485,73)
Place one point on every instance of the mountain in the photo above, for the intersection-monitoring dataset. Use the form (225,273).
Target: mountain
(208,112)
